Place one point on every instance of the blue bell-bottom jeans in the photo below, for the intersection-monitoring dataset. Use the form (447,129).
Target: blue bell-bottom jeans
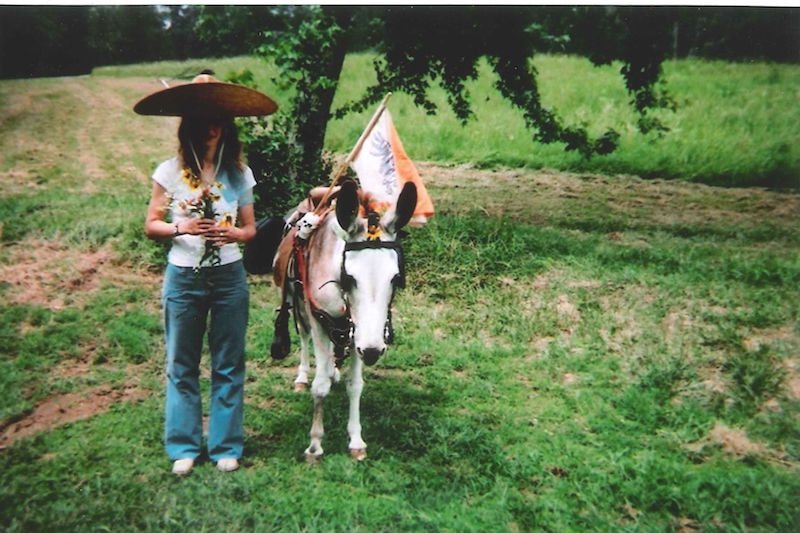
(216,300)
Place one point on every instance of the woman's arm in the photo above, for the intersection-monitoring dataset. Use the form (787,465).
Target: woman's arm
(155,227)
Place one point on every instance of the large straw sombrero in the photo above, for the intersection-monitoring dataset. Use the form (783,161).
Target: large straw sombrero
(206,97)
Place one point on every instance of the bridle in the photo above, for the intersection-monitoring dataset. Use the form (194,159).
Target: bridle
(398,282)
(340,330)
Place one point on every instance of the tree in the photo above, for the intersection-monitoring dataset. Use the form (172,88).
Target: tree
(738,33)
(182,37)
(36,42)
(419,47)
(232,30)
(119,35)
(308,47)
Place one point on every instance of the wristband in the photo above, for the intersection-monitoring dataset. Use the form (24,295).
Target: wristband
(177,231)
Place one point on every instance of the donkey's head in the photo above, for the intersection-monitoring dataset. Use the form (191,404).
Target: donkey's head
(372,267)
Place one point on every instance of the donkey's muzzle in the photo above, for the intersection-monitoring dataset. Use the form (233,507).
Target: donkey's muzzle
(370,356)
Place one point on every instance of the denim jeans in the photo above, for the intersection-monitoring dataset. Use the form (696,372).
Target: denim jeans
(188,298)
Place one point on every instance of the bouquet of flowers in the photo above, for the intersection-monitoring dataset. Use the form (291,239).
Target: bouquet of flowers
(202,206)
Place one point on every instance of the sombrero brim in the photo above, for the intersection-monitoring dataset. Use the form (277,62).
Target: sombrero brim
(213,99)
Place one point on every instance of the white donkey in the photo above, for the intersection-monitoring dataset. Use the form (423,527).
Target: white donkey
(339,277)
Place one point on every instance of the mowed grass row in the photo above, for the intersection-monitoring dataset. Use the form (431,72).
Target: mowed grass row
(574,352)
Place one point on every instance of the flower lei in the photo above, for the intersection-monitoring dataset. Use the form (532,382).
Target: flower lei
(202,206)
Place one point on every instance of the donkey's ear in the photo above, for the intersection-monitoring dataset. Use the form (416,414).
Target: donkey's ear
(403,210)
(347,206)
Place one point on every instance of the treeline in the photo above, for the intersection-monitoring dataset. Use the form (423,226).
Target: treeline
(71,40)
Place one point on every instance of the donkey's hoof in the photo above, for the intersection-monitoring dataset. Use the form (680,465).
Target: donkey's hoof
(313,458)
(359,454)
(300,387)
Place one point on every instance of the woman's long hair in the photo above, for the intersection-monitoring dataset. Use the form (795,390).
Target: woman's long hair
(192,133)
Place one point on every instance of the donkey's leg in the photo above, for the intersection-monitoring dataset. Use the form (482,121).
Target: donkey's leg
(301,383)
(320,387)
(314,451)
(355,384)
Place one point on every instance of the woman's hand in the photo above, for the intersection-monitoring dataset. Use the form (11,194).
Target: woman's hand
(222,235)
(197,226)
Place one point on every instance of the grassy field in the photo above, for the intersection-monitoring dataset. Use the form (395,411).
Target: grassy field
(736,124)
(577,350)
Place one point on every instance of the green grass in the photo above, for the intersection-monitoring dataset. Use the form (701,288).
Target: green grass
(736,123)
(574,352)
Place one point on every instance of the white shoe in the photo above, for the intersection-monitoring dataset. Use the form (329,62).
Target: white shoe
(227,465)
(181,467)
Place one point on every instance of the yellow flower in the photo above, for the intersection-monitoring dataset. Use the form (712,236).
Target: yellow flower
(226,221)
(373,233)
(190,179)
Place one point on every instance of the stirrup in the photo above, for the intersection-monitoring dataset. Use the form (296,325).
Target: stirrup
(281,342)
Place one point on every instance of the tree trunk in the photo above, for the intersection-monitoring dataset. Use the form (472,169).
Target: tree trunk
(312,116)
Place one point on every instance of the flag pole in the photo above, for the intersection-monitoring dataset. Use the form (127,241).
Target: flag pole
(356,149)
(365,134)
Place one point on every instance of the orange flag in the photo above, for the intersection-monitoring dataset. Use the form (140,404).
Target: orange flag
(383,167)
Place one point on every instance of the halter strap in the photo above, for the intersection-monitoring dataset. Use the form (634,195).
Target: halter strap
(396,245)
(372,245)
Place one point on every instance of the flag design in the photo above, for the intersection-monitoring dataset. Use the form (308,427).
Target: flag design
(383,167)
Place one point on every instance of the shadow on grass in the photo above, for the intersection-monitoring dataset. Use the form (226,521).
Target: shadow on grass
(397,418)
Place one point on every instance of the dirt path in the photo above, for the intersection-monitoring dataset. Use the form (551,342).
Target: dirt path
(64,409)
(538,196)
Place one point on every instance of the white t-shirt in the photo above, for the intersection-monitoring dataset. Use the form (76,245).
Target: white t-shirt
(231,191)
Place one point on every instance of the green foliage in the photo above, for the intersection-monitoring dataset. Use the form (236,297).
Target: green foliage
(445,45)
(277,162)
(47,41)
(286,153)
(127,34)
(734,127)
(231,30)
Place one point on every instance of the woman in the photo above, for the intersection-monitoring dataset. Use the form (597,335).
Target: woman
(207,192)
